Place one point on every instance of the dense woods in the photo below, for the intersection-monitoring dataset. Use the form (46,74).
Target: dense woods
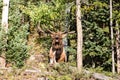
(94,46)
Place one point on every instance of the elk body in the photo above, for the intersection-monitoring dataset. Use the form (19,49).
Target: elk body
(57,51)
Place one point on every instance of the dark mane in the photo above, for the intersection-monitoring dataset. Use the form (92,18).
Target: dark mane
(58,47)
(58,52)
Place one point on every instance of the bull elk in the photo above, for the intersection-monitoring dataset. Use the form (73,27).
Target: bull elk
(57,51)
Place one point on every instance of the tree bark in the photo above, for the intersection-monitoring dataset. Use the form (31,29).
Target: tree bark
(112,42)
(79,36)
(117,48)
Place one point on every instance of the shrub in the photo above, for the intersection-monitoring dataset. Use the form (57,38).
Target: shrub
(17,45)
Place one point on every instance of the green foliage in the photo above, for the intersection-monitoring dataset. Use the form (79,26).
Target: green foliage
(66,77)
(67,72)
(96,40)
(63,72)
(50,15)
(2,41)
(116,12)
(96,45)
(16,47)
(95,21)
(100,70)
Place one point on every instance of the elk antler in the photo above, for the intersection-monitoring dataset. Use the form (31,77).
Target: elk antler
(39,30)
(49,31)
(71,32)
(66,32)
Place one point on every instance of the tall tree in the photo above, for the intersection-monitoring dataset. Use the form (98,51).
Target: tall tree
(79,36)
(112,42)
(117,47)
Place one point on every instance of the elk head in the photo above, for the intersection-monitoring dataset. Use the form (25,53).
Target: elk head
(58,36)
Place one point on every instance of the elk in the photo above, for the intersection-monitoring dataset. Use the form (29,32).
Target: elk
(57,51)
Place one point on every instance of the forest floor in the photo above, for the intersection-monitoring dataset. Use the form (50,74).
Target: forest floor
(38,68)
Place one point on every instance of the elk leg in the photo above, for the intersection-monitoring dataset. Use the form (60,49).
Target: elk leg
(52,59)
(52,56)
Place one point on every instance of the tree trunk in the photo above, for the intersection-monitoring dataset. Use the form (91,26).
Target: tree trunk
(4,26)
(79,36)
(117,48)
(112,42)
(5,15)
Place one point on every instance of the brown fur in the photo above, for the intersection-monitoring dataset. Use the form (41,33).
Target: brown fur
(57,52)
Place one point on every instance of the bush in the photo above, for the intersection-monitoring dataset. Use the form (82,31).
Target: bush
(17,45)
(2,42)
